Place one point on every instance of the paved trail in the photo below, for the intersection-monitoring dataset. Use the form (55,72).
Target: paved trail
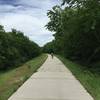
(53,81)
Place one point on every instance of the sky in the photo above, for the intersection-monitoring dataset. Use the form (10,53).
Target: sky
(28,16)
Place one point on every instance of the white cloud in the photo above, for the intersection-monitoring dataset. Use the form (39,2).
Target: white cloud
(29,16)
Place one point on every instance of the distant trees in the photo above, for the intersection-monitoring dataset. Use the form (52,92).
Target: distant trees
(15,48)
(77,29)
(48,48)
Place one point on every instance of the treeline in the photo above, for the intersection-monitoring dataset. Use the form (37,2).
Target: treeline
(15,49)
(77,30)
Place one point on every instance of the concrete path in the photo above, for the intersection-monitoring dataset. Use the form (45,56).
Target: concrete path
(53,81)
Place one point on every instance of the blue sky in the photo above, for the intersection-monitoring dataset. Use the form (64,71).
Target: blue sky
(28,16)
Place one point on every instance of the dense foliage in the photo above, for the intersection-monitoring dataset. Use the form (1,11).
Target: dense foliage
(15,48)
(48,48)
(77,29)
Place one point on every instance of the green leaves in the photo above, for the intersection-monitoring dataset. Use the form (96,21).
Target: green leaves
(76,27)
(15,48)
(54,16)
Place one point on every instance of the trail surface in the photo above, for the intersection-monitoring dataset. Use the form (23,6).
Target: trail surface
(53,81)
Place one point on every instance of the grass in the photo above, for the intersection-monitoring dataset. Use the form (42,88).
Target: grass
(10,81)
(90,81)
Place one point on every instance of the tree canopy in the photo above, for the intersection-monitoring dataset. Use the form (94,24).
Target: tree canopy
(76,27)
(15,48)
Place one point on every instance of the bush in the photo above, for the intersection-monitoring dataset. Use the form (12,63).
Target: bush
(15,48)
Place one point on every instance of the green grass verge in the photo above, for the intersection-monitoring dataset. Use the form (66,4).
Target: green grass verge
(10,81)
(89,80)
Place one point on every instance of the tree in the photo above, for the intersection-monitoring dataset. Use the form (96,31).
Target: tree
(76,29)
(15,49)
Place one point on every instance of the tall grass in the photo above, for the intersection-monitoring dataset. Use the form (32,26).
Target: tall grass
(10,81)
(89,80)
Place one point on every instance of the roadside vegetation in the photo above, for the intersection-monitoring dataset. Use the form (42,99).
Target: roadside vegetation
(11,80)
(15,49)
(89,80)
